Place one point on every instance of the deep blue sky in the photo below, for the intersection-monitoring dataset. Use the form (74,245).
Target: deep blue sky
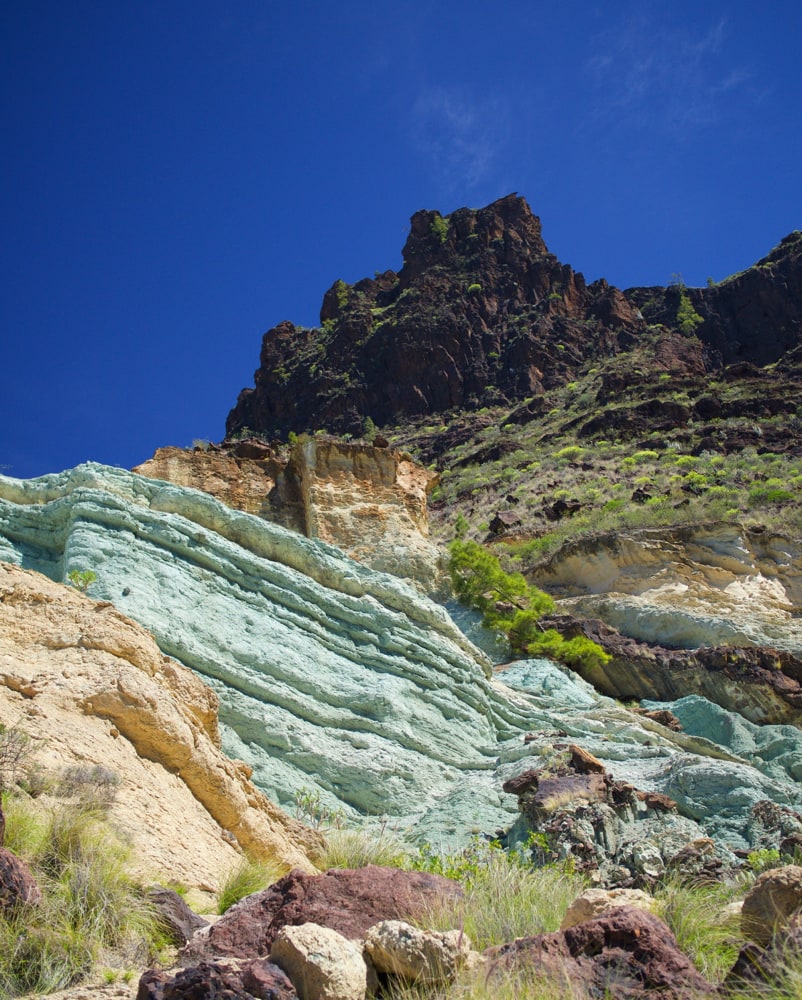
(180,175)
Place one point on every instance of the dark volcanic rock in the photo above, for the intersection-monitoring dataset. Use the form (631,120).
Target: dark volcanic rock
(626,953)
(175,918)
(751,319)
(348,901)
(17,885)
(480,311)
(231,980)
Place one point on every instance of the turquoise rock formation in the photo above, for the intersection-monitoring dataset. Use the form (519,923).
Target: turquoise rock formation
(341,680)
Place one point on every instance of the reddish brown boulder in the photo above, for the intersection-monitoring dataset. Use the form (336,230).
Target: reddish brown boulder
(17,885)
(257,979)
(626,953)
(346,900)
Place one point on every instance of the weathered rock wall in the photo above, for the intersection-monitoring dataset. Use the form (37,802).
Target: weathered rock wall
(368,501)
(94,690)
(338,679)
(697,585)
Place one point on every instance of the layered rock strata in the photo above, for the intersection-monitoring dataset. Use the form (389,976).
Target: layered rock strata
(98,697)
(339,681)
(369,501)
(695,585)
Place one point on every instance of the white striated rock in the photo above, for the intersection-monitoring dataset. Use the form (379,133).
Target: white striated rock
(322,964)
(697,585)
(396,947)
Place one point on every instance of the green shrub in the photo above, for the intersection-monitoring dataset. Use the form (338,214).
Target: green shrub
(81,579)
(349,847)
(439,228)
(513,607)
(571,453)
(687,317)
(505,897)
(693,911)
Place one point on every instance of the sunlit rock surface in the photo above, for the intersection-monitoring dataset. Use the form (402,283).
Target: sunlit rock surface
(697,585)
(369,501)
(102,703)
(338,679)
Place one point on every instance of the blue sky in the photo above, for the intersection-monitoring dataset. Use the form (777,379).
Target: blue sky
(177,176)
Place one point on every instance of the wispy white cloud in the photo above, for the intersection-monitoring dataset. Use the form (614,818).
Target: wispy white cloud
(460,136)
(662,76)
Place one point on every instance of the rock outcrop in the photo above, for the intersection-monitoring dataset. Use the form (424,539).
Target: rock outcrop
(626,953)
(762,684)
(369,501)
(348,901)
(95,691)
(481,313)
(334,678)
(685,587)
(480,308)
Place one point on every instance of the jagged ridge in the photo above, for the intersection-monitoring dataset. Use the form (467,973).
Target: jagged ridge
(482,314)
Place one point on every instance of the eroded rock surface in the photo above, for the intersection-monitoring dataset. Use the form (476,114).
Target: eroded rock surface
(696,585)
(627,953)
(771,902)
(369,501)
(95,691)
(335,678)
(322,964)
(762,684)
(348,901)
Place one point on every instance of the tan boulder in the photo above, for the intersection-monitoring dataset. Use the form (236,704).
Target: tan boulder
(322,964)
(94,691)
(400,949)
(771,901)
(594,902)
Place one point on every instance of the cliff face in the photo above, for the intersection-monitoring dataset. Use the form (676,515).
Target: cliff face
(480,308)
(369,501)
(94,690)
(331,677)
(754,316)
(695,585)
(482,314)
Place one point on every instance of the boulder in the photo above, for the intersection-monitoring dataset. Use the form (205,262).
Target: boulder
(322,964)
(233,980)
(771,901)
(17,885)
(346,900)
(626,953)
(175,918)
(757,970)
(595,902)
(399,949)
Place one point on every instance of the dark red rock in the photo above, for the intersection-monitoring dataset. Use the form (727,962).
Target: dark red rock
(228,980)
(346,900)
(17,885)
(625,954)
(504,520)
